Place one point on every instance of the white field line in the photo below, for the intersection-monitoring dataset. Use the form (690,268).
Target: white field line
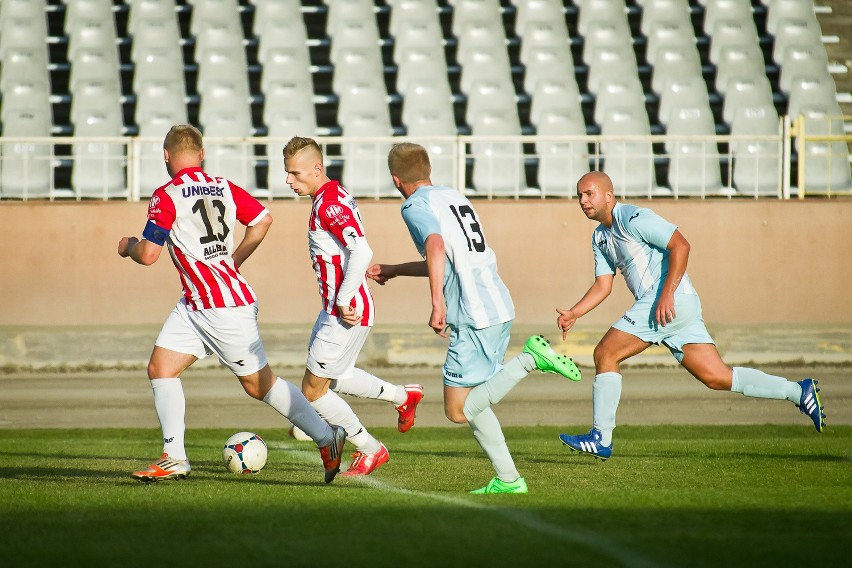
(592,540)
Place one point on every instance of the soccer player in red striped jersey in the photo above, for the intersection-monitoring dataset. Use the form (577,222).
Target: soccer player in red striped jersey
(340,255)
(194,216)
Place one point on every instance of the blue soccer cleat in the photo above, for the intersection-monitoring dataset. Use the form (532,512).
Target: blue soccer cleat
(588,444)
(810,403)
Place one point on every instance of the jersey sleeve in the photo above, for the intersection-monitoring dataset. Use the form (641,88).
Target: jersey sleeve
(161,217)
(645,225)
(421,223)
(339,220)
(603,265)
(249,209)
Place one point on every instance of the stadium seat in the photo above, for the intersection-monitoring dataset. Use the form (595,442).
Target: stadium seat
(159,34)
(361,96)
(365,164)
(292,95)
(486,64)
(404,12)
(216,65)
(608,62)
(738,61)
(24,35)
(281,33)
(689,92)
(99,94)
(25,92)
(418,64)
(809,91)
(561,162)
(675,63)
(756,168)
(223,95)
(421,34)
(487,96)
(348,34)
(725,9)
(693,163)
(780,10)
(87,10)
(27,166)
(618,91)
(605,34)
(24,9)
(594,12)
(498,165)
(283,13)
(152,170)
(91,33)
(465,11)
(218,33)
(435,101)
(671,12)
(98,169)
(665,34)
(527,11)
(361,65)
(554,93)
(23,63)
(158,64)
(826,166)
(546,62)
(731,33)
(629,163)
(746,92)
(142,12)
(802,62)
(795,32)
(155,96)
(227,159)
(203,11)
(93,63)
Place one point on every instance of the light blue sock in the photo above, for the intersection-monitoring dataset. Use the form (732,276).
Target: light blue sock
(758,384)
(606,393)
(487,431)
(495,388)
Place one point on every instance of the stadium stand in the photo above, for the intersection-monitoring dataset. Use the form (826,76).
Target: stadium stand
(431,70)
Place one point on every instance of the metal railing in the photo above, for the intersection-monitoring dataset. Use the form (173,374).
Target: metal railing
(812,155)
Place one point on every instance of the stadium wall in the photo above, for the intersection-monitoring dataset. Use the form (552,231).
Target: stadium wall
(753,262)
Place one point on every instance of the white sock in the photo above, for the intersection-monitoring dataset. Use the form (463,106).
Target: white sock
(758,384)
(487,431)
(606,393)
(495,388)
(288,400)
(365,385)
(170,404)
(334,410)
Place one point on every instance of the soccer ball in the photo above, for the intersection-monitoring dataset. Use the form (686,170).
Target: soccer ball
(244,452)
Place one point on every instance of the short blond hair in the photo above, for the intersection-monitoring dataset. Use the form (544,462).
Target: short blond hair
(298,143)
(409,162)
(183,138)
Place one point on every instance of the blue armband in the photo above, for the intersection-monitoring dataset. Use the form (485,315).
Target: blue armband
(155,233)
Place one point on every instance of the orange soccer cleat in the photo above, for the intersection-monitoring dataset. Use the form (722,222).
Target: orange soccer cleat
(332,453)
(364,464)
(407,410)
(165,468)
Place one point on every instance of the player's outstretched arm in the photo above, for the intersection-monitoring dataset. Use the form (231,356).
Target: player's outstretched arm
(142,252)
(381,273)
(252,239)
(596,294)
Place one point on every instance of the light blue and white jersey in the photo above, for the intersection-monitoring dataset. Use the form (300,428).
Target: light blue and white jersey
(475,295)
(636,245)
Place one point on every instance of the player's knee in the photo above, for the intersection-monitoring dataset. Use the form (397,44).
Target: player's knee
(603,357)
(253,390)
(455,415)
(717,382)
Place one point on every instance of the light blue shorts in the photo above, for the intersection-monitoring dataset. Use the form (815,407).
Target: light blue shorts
(475,355)
(687,327)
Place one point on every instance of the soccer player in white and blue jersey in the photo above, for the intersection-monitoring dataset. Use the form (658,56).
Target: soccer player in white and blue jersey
(652,254)
(470,301)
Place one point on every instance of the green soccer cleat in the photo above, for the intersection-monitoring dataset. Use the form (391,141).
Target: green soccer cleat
(497,485)
(549,361)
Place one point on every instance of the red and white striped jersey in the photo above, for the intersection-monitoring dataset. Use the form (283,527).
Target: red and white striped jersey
(335,230)
(195,215)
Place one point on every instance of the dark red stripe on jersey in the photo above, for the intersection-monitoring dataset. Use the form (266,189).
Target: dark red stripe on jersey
(365,314)
(320,261)
(246,291)
(186,269)
(212,283)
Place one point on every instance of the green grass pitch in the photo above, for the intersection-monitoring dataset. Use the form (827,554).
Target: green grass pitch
(670,496)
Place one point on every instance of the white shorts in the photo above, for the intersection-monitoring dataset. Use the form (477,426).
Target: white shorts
(334,347)
(230,333)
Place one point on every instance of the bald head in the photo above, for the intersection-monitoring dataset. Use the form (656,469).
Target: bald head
(596,197)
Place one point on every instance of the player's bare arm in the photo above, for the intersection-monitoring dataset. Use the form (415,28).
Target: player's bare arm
(381,273)
(597,293)
(143,252)
(678,248)
(435,259)
(252,239)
